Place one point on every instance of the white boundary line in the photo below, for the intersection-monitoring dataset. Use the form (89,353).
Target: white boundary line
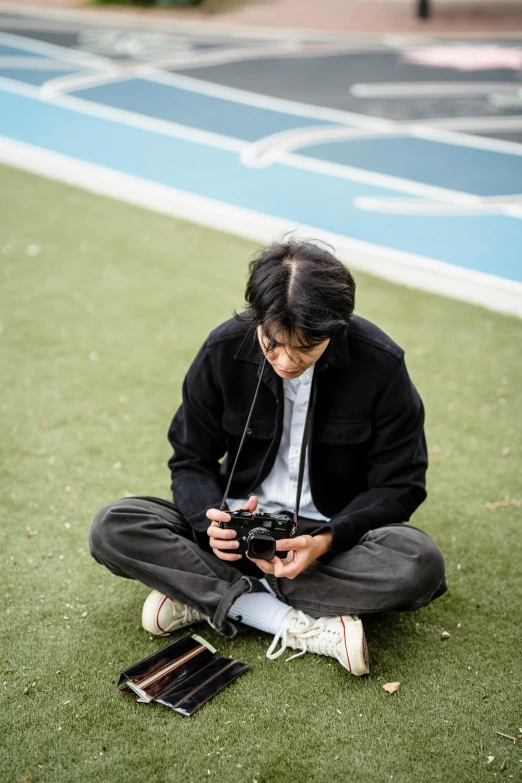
(428,89)
(494,205)
(421,130)
(270,149)
(281,105)
(53,51)
(125,117)
(237,146)
(407,269)
(35,64)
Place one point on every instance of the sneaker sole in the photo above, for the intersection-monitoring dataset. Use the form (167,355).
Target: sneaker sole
(358,661)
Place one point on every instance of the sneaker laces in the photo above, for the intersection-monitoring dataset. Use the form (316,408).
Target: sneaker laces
(187,614)
(302,628)
(326,643)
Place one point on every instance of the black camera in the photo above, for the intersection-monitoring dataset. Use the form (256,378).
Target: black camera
(258,532)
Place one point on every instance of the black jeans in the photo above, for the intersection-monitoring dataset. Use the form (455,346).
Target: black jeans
(394,567)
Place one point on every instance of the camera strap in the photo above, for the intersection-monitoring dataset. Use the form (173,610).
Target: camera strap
(304,444)
(223,506)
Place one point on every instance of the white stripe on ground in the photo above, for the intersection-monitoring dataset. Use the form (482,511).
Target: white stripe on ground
(292,107)
(407,269)
(35,64)
(375,178)
(503,205)
(125,117)
(271,149)
(334,115)
(82,81)
(465,140)
(53,51)
(492,123)
(236,145)
(283,105)
(428,89)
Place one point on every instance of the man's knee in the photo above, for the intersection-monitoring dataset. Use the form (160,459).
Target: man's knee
(429,573)
(423,571)
(103,529)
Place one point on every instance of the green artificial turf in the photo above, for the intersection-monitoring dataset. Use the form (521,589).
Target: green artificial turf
(102,308)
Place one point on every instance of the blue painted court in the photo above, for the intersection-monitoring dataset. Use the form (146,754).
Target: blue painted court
(309,165)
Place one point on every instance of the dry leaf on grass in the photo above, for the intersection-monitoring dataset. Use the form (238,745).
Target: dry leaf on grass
(445,635)
(503,503)
(391,687)
(503,766)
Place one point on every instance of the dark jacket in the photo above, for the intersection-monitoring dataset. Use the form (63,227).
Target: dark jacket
(367,452)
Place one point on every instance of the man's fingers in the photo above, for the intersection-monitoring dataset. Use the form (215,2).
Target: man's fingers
(220,533)
(225,556)
(219,544)
(288,570)
(287,544)
(264,565)
(250,505)
(218,516)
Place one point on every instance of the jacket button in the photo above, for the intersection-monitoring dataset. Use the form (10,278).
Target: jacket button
(249,431)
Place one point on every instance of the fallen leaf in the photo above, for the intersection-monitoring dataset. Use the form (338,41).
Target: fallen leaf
(445,635)
(503,766)
(505,451)
(503,503)
(391,687)
(490,759)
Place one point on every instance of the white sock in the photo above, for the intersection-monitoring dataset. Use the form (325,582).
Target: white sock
(260,610)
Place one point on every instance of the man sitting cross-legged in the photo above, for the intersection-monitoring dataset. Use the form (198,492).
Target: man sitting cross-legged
(364,473)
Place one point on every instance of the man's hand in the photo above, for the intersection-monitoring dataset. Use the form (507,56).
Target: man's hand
(302,551)
(223,542)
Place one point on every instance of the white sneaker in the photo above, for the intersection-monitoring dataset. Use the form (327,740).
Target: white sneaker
(339,637)
(162,615)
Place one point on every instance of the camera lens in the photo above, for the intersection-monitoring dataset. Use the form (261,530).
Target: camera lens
(261,545)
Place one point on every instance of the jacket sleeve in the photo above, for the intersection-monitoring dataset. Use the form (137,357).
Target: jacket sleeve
(397,463)
(198,440)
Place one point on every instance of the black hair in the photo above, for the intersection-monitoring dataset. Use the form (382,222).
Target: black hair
(299,289)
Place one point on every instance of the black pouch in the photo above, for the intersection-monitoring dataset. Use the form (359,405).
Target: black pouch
(194,691)
(156,674)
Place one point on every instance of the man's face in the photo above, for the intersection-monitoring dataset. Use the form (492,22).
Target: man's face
(288,361)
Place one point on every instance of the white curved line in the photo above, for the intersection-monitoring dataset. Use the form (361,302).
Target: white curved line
(271,148)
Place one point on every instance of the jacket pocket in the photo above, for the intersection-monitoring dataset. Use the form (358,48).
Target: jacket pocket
(261,427)
(336,432)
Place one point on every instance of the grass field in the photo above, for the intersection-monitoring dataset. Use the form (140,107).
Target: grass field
(102,308)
